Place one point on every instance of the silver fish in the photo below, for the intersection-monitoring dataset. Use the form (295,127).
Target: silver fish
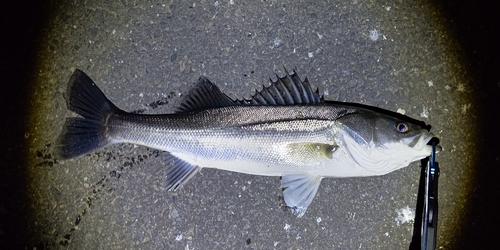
(286,130)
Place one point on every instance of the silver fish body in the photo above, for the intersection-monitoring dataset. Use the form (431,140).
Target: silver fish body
(284,130)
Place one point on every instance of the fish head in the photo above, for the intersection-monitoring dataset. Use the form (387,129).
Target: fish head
(380,143)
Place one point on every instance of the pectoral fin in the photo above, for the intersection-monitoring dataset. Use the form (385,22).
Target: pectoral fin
(311,151)
(300,190)
(179,173)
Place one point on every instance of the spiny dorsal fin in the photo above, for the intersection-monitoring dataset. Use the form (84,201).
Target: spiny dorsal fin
(287,90)
(204,95)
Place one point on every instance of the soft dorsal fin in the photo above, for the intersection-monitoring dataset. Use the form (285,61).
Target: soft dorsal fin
(204,95)
(287,90)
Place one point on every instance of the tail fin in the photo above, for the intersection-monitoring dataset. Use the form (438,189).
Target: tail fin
(84,134)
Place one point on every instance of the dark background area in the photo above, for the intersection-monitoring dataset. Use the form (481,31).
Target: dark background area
(475,24)
(21,24)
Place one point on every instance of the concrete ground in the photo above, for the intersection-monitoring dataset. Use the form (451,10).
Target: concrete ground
(143,55)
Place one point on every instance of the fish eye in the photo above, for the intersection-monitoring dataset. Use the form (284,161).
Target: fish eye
(402,127)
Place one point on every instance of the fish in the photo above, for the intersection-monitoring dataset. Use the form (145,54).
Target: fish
(286,129)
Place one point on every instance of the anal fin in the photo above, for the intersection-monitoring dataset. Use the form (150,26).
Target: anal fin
(179,173)
(300,190)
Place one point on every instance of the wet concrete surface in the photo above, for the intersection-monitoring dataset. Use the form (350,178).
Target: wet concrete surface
(393,55)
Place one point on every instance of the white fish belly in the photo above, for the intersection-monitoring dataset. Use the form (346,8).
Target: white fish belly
(270,149)
(274,149)
(273,156)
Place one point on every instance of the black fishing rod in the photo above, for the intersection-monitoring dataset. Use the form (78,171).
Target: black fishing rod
(426,215)
(430,211)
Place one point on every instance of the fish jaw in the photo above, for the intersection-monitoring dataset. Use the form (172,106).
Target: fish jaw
(384,158)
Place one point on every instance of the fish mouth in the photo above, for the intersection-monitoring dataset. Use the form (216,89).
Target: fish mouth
(420,142)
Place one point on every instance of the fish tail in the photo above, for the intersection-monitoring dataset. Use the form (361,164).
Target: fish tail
(82,135)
